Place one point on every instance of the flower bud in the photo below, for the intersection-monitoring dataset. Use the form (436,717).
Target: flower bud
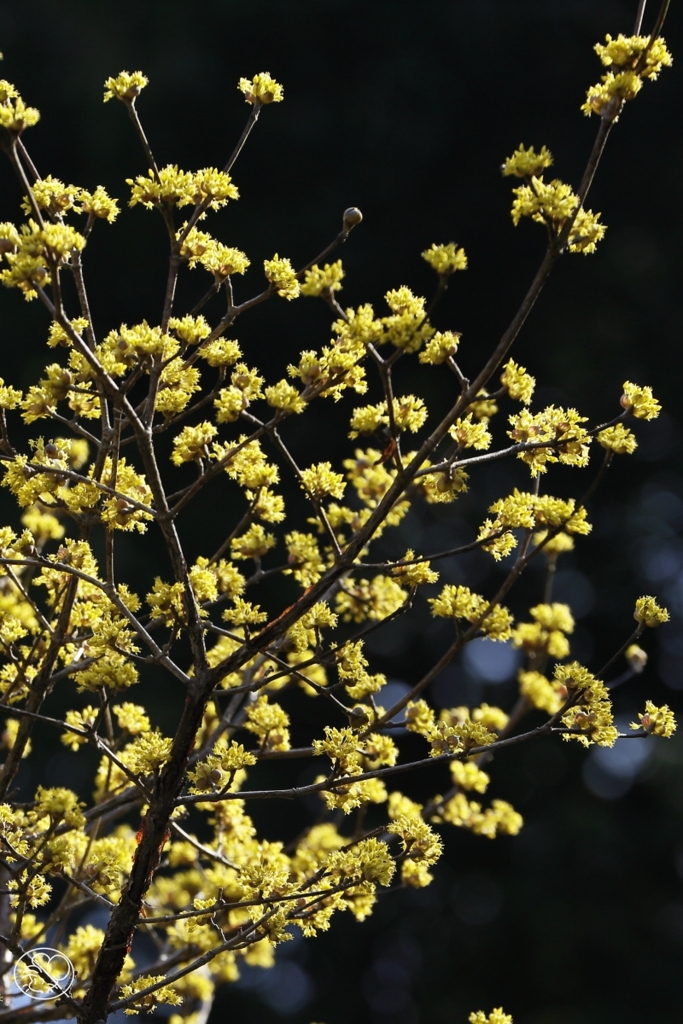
(358,716)
(636,658)
(352,216)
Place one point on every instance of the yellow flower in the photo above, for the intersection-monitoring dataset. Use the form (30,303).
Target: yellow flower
(189,329)
(407,328)
(148,752)
(469,434)
(254,543)
(591,719)
(551,203)
(618,439)
(656,721)
(526,163)
(192,443)
(649,612)
(14,114)
(9,736)
(212,188)
(36,891)
(304,558)
(360,600)
(635,58)
(320,481)
(98,204)
(125,86)
(495,1017)
(460,603)
(284,396)
(640,402)
(445,259)
(164,994)
(413,575)
(171,187)
(270,723)
(440,347)
(280,272)
(327,280)
(131,717)
(468,776)
(261,90)
(520,384)
(244,613)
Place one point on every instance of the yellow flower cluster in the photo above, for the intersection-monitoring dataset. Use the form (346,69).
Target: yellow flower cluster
(413,575)
(171,187)
(618,439)
(280,273)
(125,86)
(440,347)
(176,389)
(499,819)
(556,435)
(459,602)
(551,203)
(520,384)
(548,633)
(649,612)
(352,668)
(326,280)
(469,433)
(656,721)
(527,163)
(640,402)
(262,89)
(14,114)
(409,413)
(445,259)
(321,481)
(590,719)
(635,59)
(540,692)
(33,250)
(494,1017)
(57,198)
(201,248)
(377,599)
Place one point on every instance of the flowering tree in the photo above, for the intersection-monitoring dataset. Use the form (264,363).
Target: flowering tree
(148,418)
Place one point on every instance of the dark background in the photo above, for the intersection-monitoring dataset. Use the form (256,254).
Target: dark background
(407,110)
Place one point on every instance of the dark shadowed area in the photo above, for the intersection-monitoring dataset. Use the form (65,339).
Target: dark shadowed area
(407,111)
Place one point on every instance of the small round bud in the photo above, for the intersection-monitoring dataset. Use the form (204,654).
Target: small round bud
(216,775)
(358,716)
(352,216)
(636,658)
(51,451)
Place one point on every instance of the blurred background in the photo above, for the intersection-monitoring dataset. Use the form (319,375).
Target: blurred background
(407,110)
